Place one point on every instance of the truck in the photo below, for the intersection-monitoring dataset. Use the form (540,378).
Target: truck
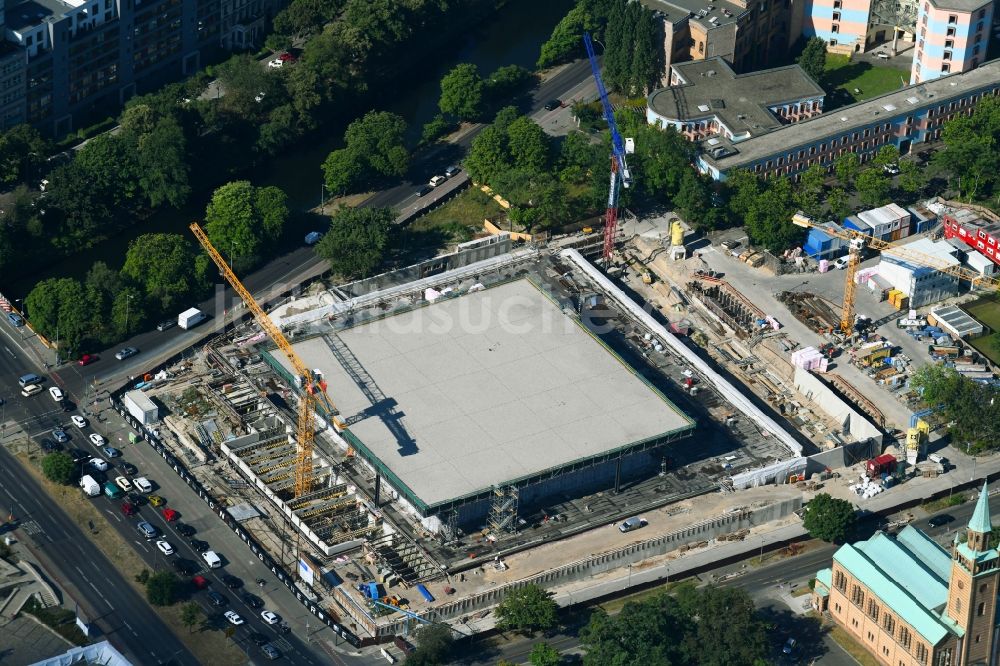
(141,407)
(191,318)
(90,486)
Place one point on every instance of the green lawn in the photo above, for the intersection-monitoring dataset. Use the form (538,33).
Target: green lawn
(986,310)
(454,222)
(842,76)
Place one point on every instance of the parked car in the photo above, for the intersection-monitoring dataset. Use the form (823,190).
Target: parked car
(78,421)
(128,468)
(270,618)
(231,581)
(128,508)
(841,263)
(125,353)
(147,530)
(234,618)
(30,390)
(56,393)
(165,547)
(184,529)
(99,464)
(217,599)
(938,521)
(16,320)
(287,57)
(86,359)
(123,483)
(111,452)
(156,500)
(49,446)
(314,237)
(60,435)
(275,63)
(96,439)
(170,515)
(271,651)
(632,523)
(425,190)
(552,104)
(891,169)
(142,484)
(252,600)
(452,171)
(789,646)
(165,324)
(78,455)
(186,567)
(199,545)
(437,180)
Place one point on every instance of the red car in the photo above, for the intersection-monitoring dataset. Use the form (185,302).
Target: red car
(87,359)
(128,508)
(199,582)
(286,57)
(170,515)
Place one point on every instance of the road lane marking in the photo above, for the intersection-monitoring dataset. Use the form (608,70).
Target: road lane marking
(12,354)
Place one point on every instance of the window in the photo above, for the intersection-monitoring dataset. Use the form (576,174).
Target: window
(945,68)
(873,609)
(701,47)
(905,638)
(982,14)
(949,43)
(950,32)
(981,609)
(983,588)
(947,55)
(952,18)
(840,580)
(836,4)
(977,638)
(833,42)
(857,596)
(889,623)
(836,16)
(835,28)
(921,653)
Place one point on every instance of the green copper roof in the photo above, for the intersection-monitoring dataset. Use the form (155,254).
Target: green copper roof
(980,521)
(977,555)
(824,581)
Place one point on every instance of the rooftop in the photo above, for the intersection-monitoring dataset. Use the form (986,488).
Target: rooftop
(741,101)
(957,320)
(862,114)
(486,388)
(941,250)
(909,573)
(960,5)
(713,14)
(30,13)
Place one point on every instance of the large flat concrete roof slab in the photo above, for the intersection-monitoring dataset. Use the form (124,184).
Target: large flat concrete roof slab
(491,386)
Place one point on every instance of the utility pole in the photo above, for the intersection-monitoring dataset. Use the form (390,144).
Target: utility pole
(128,302)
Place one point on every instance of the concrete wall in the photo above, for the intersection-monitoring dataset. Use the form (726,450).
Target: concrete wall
(852,422)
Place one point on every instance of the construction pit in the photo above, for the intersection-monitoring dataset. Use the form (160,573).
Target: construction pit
(494,404)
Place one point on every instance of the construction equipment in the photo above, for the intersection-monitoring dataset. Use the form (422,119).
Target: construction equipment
(918,433)
(314,388)
(859,240)
(620,174)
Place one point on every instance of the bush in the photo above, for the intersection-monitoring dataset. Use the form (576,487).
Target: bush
(161,588)
(59,468)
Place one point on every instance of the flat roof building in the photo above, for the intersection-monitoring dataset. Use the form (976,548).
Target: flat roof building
(909,115)
(490,389)
(706,98)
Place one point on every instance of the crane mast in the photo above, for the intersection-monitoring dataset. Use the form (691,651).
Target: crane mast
(314,391)
(620,174)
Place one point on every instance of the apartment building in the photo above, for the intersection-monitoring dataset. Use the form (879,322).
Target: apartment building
(973,229)
(749,35)
(80,60)
(842,24)
(910,602)
(707,99)
(904,117)
(953,36)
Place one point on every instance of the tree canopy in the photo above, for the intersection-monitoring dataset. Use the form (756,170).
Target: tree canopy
(163,266)
(375,147)
(527,609)
(357,240)
(241,219)
(59,468)
(971,151)
(971,409)
(813,58)
(433,647)
(462,91)
(828,518)
(697,627)
(162,588)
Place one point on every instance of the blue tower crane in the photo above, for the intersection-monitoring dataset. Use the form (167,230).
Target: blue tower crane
(620,174)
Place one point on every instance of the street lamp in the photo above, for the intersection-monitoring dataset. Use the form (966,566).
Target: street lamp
(629,576)
(128,302)
(322,195)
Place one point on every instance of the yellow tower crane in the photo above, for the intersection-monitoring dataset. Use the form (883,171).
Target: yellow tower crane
(313,390)
(858,240)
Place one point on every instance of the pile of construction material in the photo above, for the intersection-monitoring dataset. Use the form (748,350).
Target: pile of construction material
(811,310)
(866,488)
(810,358)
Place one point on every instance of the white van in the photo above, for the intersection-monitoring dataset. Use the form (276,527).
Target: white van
(212,559)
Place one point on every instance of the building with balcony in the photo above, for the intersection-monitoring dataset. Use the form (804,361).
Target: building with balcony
(953,36)
(903,117)
(910,602)
(707,99)
(68,63)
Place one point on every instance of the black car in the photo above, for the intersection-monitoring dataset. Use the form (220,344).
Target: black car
(165,324)
(184,529)
(552,104)
(199,545)
(79,455)
(49,446)
(232,582)
(938,521)
(253,601)
(258,638)
(184,566)
(137,499)
(216,598)
(452,171)
(128,468)
(426,189)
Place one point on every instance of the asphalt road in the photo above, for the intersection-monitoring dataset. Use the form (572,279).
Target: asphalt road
(69,557)
(435,161)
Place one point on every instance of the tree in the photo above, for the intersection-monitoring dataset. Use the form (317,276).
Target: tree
(488,155)
(887,155)
(543,654)
(162,266)
(342,171)
(244,80)
(58,308)
(566,42)
(437,127)
(812,60)
(528,144)
(873,187)
(508,81)
(828,518)
(462,92)
(971,409)
(303,18)
(768,221)
(809,193)
(162,588)
(356,242)
(970,150)
(723,627)
(240,219)
(128,312)
(163,165)
(59,468)
(22,151)
(527,609)
(377,138)
(837,202)
(694,202)
(434,643)
(847,167)
(190,615)
(911,177)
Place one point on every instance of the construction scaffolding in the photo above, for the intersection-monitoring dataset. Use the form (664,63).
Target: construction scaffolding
(503,509)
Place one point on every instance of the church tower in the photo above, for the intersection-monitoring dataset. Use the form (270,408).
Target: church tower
(972,590)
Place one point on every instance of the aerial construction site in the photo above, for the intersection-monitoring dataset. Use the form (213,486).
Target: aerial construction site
(469,413)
